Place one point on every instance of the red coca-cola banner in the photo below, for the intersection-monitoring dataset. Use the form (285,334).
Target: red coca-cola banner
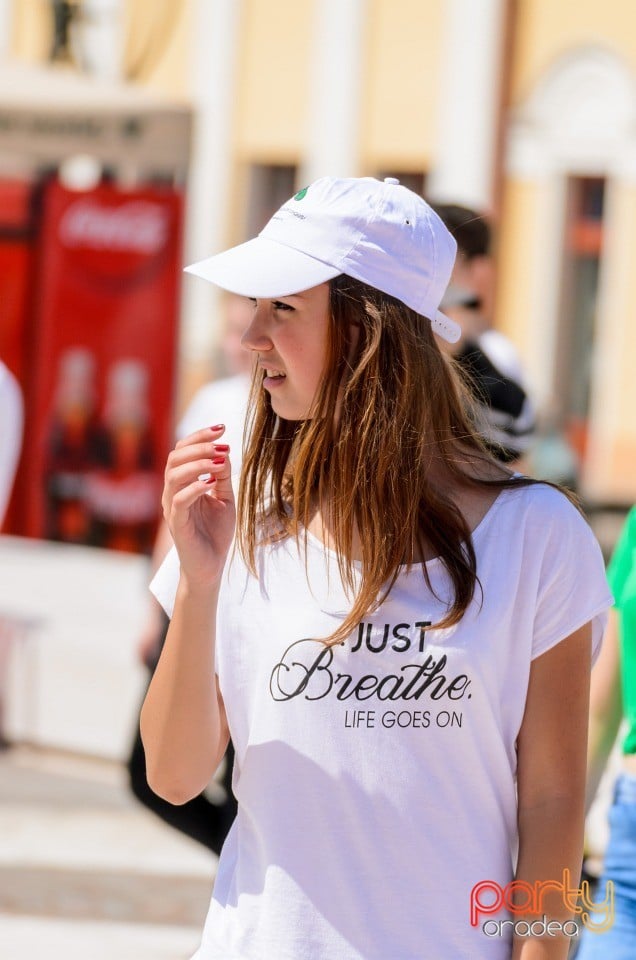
(105,327)
(16,235)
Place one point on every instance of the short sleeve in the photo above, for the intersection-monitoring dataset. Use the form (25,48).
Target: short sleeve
(573,588)
(623,559)
(164,584)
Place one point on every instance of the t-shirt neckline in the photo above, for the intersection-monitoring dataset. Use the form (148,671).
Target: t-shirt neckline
(317,543)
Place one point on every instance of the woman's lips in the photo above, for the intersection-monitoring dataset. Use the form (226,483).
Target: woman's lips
(273,379)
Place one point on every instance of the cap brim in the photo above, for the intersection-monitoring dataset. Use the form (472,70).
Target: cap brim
(446,328)
(263,268)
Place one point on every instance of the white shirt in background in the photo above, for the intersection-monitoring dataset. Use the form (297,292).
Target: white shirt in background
(11,430)
(222,401)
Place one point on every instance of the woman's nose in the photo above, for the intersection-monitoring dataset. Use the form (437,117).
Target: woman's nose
(256,336)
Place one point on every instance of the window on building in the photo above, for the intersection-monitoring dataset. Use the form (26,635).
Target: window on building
(270,185)
(577,318)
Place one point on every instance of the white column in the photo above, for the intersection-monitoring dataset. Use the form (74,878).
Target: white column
(101,31)
(333,109)
(215,27)
(6,23)
(468,102)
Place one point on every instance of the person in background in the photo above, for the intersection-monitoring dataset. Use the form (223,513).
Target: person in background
(11,430)
(207,817)
(504,413)
(387,576)
(612,700)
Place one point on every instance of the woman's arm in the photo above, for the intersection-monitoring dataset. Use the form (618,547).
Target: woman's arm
(150,636)
(551,750)
(183,723)
(606,706)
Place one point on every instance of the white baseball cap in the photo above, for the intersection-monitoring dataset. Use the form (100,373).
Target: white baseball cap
(376,231)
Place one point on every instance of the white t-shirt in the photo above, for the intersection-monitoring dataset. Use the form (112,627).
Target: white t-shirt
(376,780)
(222,401)
(503,354)
(500,426)
(11,427)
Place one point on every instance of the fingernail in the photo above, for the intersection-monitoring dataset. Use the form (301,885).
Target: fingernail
(218,426)
(210,480)
(221,447)
(218,460)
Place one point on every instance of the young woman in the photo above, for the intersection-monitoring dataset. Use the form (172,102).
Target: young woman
(401,634)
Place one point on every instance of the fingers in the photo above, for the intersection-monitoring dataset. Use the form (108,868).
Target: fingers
(202,444)
(178,477)
(178,499)
(220,483)
(198,465)
(185,498)
(206,435)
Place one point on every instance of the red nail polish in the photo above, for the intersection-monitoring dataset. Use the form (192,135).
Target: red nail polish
(221,447)
(218,460)
(218,426)
(210,480)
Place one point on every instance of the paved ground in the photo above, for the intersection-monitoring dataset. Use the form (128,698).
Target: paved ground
(86,873)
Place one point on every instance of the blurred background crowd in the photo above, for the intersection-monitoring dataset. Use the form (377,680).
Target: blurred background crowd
(140,135)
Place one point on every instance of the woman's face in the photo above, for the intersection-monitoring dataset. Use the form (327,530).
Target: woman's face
(289,337)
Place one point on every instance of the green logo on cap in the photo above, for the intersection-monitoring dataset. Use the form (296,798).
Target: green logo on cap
(301,193)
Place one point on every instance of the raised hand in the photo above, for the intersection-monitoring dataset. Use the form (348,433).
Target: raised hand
(198,504)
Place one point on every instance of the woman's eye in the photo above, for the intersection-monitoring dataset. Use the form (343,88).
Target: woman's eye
(277,304)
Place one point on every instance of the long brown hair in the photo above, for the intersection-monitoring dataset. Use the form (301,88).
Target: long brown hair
(389,407)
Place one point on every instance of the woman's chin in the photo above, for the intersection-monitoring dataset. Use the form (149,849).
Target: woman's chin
(289,411)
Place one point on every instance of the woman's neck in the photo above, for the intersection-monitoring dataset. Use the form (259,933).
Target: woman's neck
(473,501)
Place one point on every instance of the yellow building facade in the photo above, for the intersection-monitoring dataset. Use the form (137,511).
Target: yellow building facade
(523,108)
(569,133)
